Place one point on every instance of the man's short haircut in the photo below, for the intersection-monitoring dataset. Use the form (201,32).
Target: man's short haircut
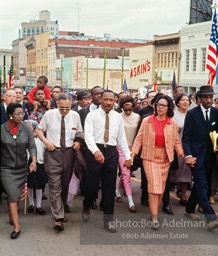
(65,96)
(93,88)
(18,87)
(149,92)
(58,87)
(107,91)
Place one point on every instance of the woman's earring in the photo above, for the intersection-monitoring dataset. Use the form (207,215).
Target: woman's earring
(11,118)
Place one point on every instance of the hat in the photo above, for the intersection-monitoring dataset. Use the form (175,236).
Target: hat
(205,90)
(156,97)
(82,94)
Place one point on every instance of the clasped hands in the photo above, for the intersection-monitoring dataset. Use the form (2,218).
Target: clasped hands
(191,161)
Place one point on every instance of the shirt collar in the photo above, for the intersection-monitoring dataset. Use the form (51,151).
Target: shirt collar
(204,109)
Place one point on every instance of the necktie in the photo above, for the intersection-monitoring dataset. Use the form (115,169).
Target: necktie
(106,131)
(206,115)
(62,140)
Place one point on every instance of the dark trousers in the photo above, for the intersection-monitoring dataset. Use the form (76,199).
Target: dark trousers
(199,192)
(144,187)
(107,174)
(59,167)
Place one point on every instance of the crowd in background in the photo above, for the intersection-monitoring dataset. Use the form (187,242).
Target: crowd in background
(83,141)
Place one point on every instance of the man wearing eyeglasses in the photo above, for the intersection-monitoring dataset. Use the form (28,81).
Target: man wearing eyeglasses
(61,125)
(19,99)
(8,97)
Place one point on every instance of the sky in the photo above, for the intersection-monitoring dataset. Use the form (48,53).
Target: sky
(133,19)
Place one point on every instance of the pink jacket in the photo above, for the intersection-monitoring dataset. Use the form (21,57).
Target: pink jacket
(145,139)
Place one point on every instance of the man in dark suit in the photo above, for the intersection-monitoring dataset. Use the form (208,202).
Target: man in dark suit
(8,97)
(96,101)
(19,99)
(83,100)
(199,122)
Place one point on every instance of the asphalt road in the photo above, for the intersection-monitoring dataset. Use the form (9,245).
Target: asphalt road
(177,234)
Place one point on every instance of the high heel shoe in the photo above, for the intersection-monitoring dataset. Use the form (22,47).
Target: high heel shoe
(154,223)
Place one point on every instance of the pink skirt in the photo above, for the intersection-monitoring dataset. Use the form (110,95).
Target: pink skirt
(156,171)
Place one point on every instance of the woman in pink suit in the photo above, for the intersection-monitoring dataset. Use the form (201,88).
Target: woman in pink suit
(158,137)
(130,125)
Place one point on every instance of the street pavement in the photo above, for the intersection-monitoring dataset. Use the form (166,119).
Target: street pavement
(177,234)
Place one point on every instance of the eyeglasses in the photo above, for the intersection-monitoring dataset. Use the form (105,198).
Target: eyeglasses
(19,93)
(127,110)
(160,105)
(11,96)
(62,109)
(19,114)
(56,92)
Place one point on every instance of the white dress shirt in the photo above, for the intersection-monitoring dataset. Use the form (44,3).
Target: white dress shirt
(95,128)
(51,123)
(204,112)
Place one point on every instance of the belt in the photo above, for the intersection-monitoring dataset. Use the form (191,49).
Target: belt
(105,145)
(64,148)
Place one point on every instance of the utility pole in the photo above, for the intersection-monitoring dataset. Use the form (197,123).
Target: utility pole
(122,67)
(61,57)
(87,72)
(104,74)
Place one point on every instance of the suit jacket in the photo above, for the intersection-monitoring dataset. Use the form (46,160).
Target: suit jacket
(83,113)
(4,117)
(145,139)
(196,139)
(14,151)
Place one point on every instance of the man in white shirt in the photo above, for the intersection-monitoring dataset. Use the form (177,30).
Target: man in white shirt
(61,126)
(102,137)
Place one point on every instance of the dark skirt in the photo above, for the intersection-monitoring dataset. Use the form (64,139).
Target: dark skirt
(37,179)
(13,180)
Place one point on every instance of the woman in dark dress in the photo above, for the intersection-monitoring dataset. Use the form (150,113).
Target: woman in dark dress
(16,139)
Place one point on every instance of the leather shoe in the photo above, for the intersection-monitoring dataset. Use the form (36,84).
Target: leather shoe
(168,210)
(110,226)
(119,199)
(30,209)
(67,209)
(212,224)
(15,234)
(145,203)
(86,214)
(40,211)
(193,216)
(58,225)
(132,208)
(94,205)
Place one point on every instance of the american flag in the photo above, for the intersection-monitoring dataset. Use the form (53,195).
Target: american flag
(24,192)
(11,75)
(154,87)
(212,51)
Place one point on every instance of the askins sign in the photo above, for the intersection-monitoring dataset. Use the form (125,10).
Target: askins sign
(140,69)
(141,63)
